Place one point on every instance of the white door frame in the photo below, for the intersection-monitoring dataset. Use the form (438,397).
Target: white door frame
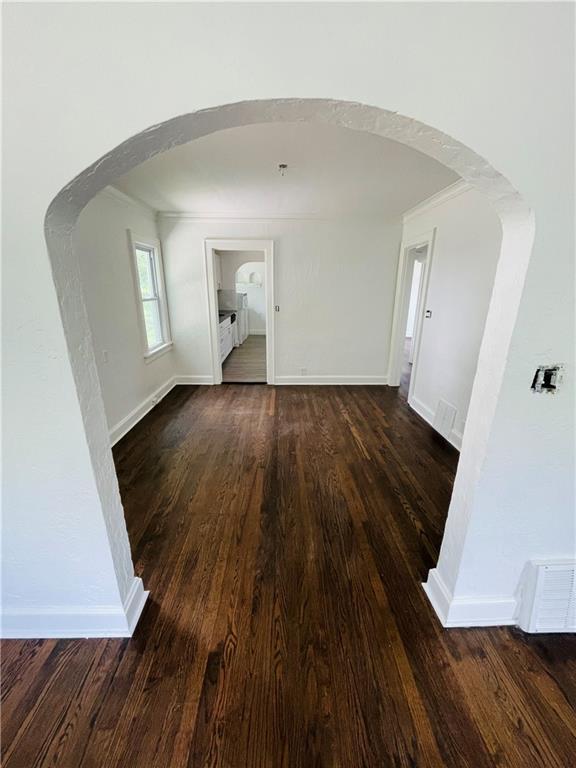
(401,305)
(228,244)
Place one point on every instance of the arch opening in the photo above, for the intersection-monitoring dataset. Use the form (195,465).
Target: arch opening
(517,221)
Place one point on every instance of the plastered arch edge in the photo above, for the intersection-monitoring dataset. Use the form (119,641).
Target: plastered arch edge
(517,221)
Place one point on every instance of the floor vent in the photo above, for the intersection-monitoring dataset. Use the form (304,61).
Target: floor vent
(549,597)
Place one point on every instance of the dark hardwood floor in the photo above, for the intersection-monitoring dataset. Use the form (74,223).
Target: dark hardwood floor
(283,533)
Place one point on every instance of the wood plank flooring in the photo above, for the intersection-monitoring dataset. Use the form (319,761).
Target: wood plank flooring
(246,363)
(283,533)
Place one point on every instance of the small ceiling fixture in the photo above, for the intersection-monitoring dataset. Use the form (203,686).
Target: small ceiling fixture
(282,168)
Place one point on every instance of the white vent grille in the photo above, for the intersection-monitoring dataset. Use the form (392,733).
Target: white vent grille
(444,418)
(553,607)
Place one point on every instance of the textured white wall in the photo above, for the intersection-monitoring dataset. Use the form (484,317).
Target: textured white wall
(101,238)
(466,251)
(334,283)
(53,87)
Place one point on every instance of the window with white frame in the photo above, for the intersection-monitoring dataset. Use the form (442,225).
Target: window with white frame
(152,295)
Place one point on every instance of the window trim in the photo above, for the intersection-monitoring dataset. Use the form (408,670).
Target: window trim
(152,245)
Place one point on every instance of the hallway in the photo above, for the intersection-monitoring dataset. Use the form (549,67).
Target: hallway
(283,533)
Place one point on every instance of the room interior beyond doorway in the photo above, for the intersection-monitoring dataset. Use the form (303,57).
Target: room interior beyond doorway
(241,307)
(242,316)
(417,258)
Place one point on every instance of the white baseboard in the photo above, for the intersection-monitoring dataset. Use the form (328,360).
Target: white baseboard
(331,380)
(67,622)
(454,438)
(257,333)
(125,425)
(134,603)
(422,410)
(452,611)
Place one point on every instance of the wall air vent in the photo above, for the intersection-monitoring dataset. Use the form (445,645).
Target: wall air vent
(548,602)
(444,418)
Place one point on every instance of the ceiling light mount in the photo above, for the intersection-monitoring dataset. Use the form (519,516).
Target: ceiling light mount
(282,168)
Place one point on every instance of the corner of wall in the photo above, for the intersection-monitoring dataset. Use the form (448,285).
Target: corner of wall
(77,621)
(468,611)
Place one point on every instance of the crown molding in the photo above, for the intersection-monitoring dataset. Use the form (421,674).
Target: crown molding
(122,197)
(448,193)
(458,188)
(232,216)
(239,217)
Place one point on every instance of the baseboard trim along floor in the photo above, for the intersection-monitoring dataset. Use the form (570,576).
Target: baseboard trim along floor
(468,611)
(69,622)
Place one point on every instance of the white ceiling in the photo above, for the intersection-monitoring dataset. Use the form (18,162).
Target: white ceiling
(332,172)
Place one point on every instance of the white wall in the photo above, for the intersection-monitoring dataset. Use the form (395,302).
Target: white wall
(251,280)
(466,250)
(231,261)
(65,105)
(334,283)
(127,379)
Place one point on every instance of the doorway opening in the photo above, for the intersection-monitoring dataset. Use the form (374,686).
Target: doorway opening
(516,217)
(410,312)
(246,363)
(415,285)
(239,283)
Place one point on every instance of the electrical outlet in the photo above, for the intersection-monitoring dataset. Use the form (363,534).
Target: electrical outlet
(104,355)
(547,378)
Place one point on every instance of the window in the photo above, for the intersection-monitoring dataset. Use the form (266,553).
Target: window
(152,297)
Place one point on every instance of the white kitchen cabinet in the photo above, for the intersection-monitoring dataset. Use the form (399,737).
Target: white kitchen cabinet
(226,339)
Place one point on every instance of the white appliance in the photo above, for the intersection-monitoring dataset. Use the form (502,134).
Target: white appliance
(238,302)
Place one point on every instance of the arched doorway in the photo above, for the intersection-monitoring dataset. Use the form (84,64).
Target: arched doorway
(517,226)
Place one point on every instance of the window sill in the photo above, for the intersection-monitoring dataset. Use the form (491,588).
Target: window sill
(158,352)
